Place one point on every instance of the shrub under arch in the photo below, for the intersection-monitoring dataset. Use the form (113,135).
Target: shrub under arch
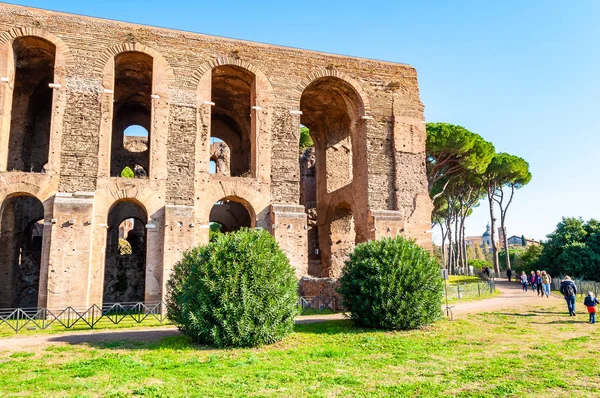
(238,291)
(392,284)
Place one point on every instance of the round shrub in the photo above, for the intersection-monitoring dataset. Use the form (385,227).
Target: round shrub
(392,284)
(238,291)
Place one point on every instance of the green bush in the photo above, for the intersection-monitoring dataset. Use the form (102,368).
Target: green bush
(478,264)
(392,284)
(238,291)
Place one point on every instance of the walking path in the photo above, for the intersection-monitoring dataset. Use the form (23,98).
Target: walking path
(511,298)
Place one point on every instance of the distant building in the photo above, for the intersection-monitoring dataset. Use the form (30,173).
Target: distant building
(521,241)
(485,239)
(487,236)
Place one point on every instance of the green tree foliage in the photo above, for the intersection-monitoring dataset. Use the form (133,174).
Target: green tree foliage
(479,264)
(515,254)
(392,284)
(305,138)
(573,249)
(487,254)
(452,150)
(530,258)
(503,175)
(239,291)
(127,172)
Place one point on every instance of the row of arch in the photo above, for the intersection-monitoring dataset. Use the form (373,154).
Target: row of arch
(24,239)
(129,71)
(330,105)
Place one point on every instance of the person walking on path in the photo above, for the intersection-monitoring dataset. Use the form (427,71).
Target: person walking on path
(569,291)
(509,274)
(524,280)
(538,283)
(591,302)
(532,280)
(546,280)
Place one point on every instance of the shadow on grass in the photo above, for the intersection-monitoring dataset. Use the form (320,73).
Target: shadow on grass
(174,339)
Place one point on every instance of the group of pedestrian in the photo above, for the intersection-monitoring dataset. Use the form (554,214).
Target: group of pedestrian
(569,291)
(538,281)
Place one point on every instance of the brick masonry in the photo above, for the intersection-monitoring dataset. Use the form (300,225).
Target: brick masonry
(365,117)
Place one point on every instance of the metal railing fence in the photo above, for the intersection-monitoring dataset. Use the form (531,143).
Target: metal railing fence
(469,290)
(91,317)
(114,313)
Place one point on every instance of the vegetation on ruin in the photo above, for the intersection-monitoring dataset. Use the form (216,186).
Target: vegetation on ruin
(391,284)
(127,172)
(463,169)
(238,291)
(483,355)
(306,140)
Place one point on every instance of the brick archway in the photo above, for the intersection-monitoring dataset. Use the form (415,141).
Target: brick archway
(258,161)
(63,53)
(63,61)
(261,78)
(110,53)
(310,78)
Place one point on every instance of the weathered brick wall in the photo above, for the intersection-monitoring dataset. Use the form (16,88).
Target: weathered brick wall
(387,145)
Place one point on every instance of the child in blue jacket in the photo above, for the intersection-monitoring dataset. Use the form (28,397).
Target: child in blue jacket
(591,302)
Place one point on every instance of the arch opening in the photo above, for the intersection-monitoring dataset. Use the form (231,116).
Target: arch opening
(31,114)
(331,110)
(220,156)
(21,240)
(231,118)
(132,112)
(125,258)
(231,215)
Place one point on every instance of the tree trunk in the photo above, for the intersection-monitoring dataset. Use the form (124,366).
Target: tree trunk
(464,243)
(457,240)
(443,248)
(450,248)
(493,234)
(505,243)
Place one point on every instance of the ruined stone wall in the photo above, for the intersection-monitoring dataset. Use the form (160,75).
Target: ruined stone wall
(382,151)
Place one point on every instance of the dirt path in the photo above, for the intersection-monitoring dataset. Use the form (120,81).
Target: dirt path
(511,298)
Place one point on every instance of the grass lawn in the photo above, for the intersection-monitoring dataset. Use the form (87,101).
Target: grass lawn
(542,352)
(454,279)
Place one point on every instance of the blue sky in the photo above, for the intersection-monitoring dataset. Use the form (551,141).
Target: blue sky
(523,74)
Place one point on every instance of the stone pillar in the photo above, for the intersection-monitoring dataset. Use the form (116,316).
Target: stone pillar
(411,196)
(180,230)
(288,226)
(7,68)
(155,235)
(69,258)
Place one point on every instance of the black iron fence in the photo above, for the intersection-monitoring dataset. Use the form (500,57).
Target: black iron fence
(108,315)
(18,319)
(317,304)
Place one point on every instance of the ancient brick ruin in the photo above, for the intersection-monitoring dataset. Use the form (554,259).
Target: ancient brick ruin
(91,214)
